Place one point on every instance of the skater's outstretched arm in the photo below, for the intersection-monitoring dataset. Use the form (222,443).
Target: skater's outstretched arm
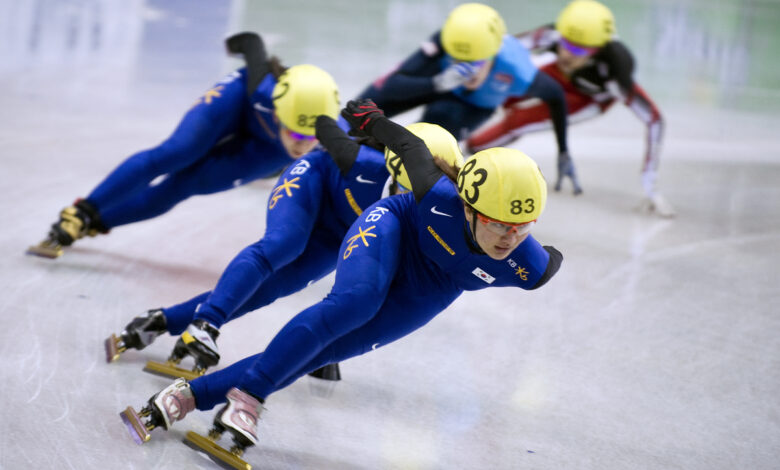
(342,149)
(551,92)
(423,172)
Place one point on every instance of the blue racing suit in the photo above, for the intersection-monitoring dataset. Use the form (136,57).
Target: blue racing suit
(225,140)
(399,265)
(461,111)
(309,210)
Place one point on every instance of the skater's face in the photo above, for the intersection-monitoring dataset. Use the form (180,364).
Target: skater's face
(497,239)
(479,78)
(296,145)
(572,57)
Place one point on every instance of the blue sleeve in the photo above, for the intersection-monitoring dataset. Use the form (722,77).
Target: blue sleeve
(550,91)
(414,77)
(535,264)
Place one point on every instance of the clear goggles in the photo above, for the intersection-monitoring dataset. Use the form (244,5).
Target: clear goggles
(503,228)
(577,50)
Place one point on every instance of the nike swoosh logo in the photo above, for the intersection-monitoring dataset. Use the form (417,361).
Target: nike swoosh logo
(360,179)
(373,346)
(262,108)
(433,209)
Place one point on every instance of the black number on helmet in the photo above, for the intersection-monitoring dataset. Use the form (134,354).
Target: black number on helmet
(395,164)
(462,175)
(480,175)
(529,205)
(472,198)
(307,121)
(284,87)
(517,206)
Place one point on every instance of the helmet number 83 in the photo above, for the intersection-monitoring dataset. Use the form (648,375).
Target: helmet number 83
(517,206)
(480,175)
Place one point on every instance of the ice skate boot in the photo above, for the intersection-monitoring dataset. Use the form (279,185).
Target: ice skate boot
(566,168)
(76,221)
(239,417)
(163,409)
(658,205)
(198,341)
(138,334)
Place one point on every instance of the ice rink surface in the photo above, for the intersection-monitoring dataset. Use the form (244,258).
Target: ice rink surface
(657,346)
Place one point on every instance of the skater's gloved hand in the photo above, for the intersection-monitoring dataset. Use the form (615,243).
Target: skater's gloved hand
(455,76)
(566,169)
(361,116)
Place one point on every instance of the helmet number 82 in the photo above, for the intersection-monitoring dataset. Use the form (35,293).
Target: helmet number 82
(480,175)
(306,121)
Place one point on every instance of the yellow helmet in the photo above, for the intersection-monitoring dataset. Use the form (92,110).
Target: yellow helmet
(473,31)
(503,184)
(438,140)
(302,93)
(586,23)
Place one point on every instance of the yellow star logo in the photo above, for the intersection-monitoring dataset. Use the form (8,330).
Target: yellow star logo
(287,187)
(209,95)
(213,93)
(352,242)
(522,273)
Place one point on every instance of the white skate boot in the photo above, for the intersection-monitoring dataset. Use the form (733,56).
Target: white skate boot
(198,341)
(163,409)
(239,417)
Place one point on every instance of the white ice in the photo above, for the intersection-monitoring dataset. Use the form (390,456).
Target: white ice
(657,346)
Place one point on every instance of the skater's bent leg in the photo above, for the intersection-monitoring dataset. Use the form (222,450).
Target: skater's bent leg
(179,316)
(210,389)
(456,116)
(317,261)
(199,130)
(363,277)
(292,212)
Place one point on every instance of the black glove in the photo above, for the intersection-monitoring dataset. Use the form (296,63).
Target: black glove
(361,115)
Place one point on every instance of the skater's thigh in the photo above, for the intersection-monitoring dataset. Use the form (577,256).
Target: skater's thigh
(455,115)
(317,261)
(227,167)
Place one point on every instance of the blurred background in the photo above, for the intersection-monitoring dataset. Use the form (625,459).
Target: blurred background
(657,346)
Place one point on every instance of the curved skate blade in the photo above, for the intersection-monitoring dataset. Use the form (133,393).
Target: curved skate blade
(135,426)
(219,455)
(171,370)
(46,249)
(112,348)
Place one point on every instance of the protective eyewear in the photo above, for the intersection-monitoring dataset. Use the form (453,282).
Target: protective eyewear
(476,64)
(296,136)
(503,228)
(576,49)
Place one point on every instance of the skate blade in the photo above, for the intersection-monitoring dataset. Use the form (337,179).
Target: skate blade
(171,370)
(224,458)
(46,249)
(327,372)
(135,426)
(112,348)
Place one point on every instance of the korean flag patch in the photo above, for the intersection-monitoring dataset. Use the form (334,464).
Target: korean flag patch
(483,275)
